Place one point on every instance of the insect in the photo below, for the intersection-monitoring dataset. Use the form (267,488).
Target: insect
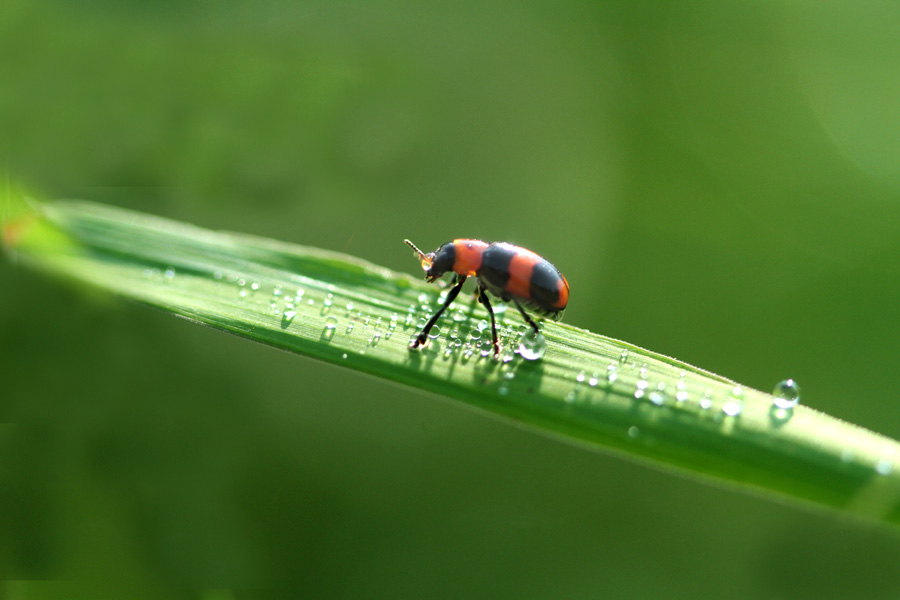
(509,272)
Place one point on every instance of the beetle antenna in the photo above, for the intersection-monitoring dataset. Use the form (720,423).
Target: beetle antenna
(413,246)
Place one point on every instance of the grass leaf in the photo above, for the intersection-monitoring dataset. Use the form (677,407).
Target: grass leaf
(586,388)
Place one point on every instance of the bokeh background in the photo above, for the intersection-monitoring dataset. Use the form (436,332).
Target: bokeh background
(720,182)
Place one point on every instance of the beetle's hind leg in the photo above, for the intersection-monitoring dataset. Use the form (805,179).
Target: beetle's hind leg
(527,317)
(482,297)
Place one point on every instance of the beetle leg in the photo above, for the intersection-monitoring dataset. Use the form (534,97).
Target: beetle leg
(482,297)
(422,338)
(527,318)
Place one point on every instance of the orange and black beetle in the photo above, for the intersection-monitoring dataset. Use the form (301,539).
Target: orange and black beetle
(509,272)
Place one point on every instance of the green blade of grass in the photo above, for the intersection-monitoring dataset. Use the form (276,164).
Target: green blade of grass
(586,388)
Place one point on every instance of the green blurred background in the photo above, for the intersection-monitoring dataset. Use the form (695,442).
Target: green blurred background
(719,182)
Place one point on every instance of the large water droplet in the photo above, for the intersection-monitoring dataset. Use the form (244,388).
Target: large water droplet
(532,346)
(787,394)
(331,322)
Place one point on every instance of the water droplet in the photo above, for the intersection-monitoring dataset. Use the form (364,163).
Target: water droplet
(623,358)
(218,275)
(482,325)
(253,286)
(734,403)
(423,298)
(706,401)
(580,377)
(641,386)
(612,373)
(504,389)
(658,396)
(329,299)
(593,380)
(682,395)
(633,432)
(331,322)
(435,332)
(532,346)
(349,307)
(884,466)
(459,315)
(289,315)
(786,394)
(170,273)
(344,355)
(732,407)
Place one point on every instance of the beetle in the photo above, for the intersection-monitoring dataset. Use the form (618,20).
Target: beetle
(511,273)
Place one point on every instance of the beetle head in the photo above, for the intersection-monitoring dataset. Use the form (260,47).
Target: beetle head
(427,261)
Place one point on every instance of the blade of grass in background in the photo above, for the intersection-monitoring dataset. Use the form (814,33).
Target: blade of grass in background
(586,388)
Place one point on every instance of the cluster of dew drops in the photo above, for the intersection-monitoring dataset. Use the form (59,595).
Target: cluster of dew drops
(478,340)
(283,303)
